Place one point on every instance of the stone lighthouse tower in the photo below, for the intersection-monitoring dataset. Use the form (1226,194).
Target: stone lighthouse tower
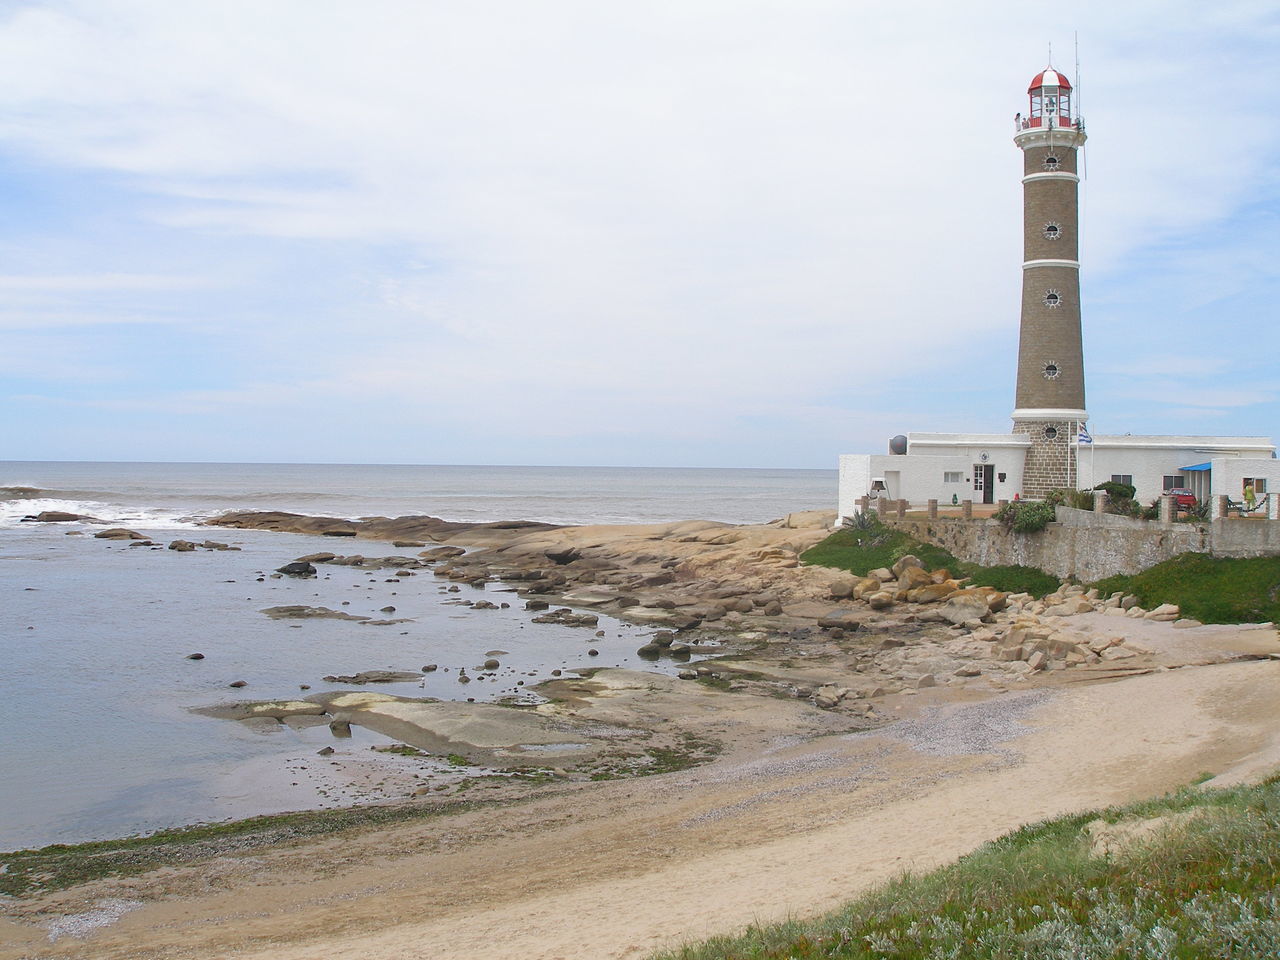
(1049,405)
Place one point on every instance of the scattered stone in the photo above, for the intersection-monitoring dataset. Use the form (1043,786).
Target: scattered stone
(325,752)
(195,656)
(431,668)
(536,605)
(492,664)
(238,683)
(182,546)
(302,612)
(375,676)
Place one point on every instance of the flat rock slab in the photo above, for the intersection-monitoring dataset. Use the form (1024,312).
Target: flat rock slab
(298,612)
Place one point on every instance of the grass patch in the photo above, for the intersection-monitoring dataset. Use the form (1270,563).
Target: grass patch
(64,865)
(1210,589)
(1208,889)
(860,551)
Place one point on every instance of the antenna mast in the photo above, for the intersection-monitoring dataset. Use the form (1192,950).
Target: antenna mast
(1084,160)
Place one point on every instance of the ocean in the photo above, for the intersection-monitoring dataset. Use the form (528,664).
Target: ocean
(99,738)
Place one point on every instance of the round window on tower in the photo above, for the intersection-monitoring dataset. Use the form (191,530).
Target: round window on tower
(1051,161)
(1052,230)
(1051,433)
(1052,299)
(1051,370)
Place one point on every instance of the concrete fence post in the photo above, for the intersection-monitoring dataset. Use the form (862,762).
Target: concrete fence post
(902,509)
(966,509)
(1100,501)
(864,504)
(933,509)
(1168,508)
(1222,506)
(1001,504)
(882,506)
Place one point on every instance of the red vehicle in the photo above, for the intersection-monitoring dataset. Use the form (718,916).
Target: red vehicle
(1182,497)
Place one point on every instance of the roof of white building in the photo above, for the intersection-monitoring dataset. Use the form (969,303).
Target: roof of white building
(1178,442)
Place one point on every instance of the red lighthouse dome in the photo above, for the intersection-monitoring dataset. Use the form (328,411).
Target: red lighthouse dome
(1049,77)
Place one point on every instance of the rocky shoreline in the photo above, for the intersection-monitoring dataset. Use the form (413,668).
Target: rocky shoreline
(839,652)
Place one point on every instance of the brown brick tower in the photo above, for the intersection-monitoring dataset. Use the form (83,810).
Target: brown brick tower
(1049,405)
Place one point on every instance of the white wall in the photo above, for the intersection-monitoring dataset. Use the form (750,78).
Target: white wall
(918,478)
(1148,459)
(1227,477)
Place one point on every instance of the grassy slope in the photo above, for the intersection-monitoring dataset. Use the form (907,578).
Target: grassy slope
(1211,889)
(1210,589)
(859,551)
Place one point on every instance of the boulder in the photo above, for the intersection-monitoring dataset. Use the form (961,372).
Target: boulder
(881,600)
(376,676)
(932,592)
(298,568)
(905,563)
(913,576)
(1165,613)
(118,533)
(841,587)
(961,608)
(182,546)
(771,609)
(865,587)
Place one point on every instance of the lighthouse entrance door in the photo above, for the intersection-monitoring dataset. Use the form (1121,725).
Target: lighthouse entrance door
(984,475)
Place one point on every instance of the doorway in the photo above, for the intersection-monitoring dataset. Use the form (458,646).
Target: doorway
(984,482)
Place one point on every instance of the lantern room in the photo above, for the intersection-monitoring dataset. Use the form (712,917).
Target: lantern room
(1050,106)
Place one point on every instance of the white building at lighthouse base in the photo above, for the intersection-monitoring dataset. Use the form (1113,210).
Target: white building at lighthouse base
(987,468)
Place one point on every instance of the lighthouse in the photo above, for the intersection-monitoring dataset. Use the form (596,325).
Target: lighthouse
(1049,401)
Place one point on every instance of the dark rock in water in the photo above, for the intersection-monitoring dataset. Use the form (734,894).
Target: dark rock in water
(387,609)
(567,618)
(484,605)
(593,652)
(298,568)
(118,533)
(304,686)
(57,516)
(322,557)
(238,683)
(217,545)
(195,656)
(337,533)
(664,638)
(182,546)
(492,664)
(681,651)
(536,605)
(340,727)
(375,676)
(325,751)
(407,543)
(650,651)
(431,668)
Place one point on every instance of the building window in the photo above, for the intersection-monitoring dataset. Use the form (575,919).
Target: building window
(1052,231)
(1051,370)
(1125,478)
(952,476)
(1176,480)
(1052,298)
(1259,484)
(1051,433)
(1051,162)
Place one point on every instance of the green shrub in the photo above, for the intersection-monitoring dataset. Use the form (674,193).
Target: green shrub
(1026,516)
(1117,490)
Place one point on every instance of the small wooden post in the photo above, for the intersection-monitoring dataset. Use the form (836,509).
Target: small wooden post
(933,509)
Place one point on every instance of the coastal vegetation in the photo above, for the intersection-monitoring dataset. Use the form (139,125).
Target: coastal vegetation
(1210,589)
(1193,874)
(861,549)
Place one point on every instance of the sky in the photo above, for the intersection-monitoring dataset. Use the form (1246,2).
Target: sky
(757,233)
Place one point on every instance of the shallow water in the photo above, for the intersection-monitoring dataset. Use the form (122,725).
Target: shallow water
(99,738)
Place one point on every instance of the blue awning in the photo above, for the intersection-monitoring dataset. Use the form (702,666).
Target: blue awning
(1198,466)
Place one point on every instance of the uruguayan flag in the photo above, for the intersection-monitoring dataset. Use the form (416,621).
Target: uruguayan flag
(1084,436)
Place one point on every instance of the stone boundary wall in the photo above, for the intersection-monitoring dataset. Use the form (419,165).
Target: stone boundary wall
(1091,546)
